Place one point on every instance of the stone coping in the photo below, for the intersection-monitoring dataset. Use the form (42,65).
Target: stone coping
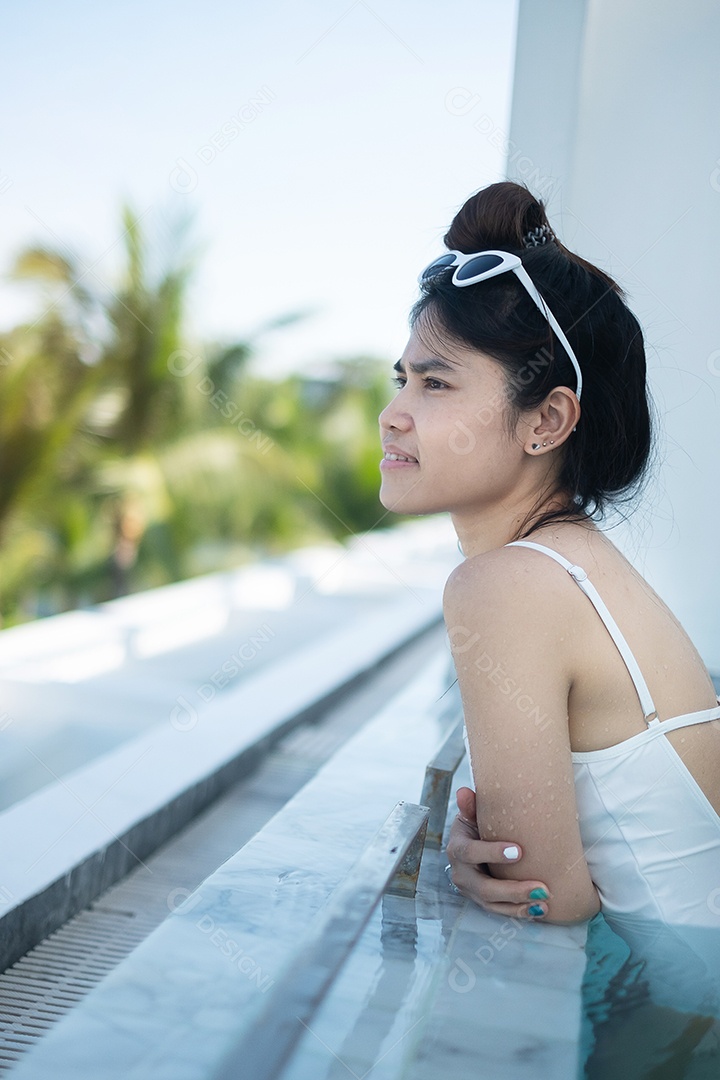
(63,845)
(180,1001)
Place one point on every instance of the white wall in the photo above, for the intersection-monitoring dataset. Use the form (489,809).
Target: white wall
(615,123)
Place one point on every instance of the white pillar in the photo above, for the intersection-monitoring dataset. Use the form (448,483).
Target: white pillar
(615,123)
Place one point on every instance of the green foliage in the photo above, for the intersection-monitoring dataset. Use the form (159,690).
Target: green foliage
(122,469)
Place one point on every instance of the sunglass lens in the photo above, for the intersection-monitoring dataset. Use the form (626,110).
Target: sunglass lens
(438,265)
(480,265)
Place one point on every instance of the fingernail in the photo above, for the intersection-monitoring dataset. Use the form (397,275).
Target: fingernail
(536,910)
(511,852)
(538,894)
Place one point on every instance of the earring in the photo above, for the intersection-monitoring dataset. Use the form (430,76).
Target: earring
(536,446)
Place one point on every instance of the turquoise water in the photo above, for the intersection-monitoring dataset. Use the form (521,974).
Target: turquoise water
(651,1003)
(651,1000)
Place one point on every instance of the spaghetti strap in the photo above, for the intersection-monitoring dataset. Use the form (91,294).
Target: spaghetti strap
(579,575)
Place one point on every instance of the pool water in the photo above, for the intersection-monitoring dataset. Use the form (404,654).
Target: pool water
(651,1002)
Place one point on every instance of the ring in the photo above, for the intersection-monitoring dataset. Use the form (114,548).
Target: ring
(451,883)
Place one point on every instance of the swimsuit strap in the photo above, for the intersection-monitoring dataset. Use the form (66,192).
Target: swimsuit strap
(579,575)
(688,719)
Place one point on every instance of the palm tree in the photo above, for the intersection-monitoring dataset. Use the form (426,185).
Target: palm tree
(88,380)
(116,471)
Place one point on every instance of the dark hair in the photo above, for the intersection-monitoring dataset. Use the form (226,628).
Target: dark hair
(605,460)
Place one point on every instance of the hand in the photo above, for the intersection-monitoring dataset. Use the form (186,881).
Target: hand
(469,856)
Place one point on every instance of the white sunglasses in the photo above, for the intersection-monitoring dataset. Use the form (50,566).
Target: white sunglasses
(481,265)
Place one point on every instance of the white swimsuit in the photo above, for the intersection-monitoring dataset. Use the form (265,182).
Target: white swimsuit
(650,835)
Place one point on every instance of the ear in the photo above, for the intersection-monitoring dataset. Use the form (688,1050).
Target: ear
(554,421)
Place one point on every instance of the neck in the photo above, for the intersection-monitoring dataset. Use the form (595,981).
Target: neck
(496,527)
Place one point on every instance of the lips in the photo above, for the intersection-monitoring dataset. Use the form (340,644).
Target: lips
(394,460)
(394,453)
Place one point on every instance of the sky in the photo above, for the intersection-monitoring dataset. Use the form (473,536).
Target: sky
(319,151)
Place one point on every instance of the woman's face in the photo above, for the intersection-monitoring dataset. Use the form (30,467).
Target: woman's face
(447,417)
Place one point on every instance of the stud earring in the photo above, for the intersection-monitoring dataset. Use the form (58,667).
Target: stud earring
(536,446)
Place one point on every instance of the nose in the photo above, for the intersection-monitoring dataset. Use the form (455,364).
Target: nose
(394,417)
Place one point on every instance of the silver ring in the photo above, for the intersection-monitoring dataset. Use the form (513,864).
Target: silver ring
(451,883)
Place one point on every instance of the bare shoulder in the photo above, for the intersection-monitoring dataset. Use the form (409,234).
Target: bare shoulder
(513,602)
(504,578)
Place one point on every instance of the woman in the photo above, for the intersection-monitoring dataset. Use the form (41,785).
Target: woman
(589,724)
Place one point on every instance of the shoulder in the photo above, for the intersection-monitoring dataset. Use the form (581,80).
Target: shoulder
(504,577)
(511,602)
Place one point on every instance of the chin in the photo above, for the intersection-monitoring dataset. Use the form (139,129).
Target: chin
(389,502)
(399,503)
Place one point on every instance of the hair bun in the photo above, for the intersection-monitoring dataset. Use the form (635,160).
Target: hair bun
(504,215)
(507,216)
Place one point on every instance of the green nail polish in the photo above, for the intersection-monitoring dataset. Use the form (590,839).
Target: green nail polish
(538,894)
(535,909)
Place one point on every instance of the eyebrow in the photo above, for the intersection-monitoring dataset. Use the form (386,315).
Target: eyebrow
(421,367)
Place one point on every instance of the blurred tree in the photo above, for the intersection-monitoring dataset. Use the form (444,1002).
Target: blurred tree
(327,427)
(86,379)
(128,459)
(45,380)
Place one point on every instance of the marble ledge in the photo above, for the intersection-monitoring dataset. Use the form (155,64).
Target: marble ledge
(180,999)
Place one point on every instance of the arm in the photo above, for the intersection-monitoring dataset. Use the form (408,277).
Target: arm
(507,630)
(470,858)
